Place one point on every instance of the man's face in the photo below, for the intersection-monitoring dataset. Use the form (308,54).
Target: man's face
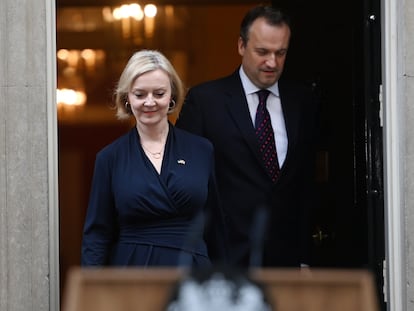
(264,55)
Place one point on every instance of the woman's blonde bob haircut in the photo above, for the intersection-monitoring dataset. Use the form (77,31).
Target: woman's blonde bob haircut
(141,62)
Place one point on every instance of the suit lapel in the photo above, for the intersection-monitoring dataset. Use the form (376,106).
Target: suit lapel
(290,114)
(237,106)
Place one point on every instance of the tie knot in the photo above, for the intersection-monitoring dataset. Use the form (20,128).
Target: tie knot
(263,94)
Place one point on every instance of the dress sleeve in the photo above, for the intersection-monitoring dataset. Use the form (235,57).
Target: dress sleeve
(100,228)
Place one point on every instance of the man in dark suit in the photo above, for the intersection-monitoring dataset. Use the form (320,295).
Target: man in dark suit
(224,111)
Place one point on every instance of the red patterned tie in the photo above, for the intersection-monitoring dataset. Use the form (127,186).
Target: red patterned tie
(265,135)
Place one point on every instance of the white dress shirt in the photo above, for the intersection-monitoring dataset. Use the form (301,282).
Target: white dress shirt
(275,110)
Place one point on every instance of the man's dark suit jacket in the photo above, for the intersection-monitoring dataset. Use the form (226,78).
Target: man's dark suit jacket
(218,110)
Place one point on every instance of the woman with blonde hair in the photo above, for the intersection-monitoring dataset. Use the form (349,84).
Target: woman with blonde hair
(153,188)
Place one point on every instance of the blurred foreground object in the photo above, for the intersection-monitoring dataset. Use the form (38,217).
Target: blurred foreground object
(219,290)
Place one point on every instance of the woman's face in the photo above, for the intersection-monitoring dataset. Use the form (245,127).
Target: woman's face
(150,97)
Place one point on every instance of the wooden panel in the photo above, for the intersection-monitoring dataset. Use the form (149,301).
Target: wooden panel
(319,290)
(288,290)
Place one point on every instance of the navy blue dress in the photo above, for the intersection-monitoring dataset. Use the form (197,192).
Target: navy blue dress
(137,217)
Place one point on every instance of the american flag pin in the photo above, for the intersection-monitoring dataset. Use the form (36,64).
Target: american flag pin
(181,162)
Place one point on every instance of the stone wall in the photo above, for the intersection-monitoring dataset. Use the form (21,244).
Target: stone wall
(408,98)
(25,151)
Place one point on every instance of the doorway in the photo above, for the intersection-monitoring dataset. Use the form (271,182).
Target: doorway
(91,51)
(334,48)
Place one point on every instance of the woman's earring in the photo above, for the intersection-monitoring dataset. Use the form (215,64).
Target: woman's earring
(128,107)
(172,105)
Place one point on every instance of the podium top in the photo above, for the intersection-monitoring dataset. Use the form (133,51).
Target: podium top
(151,289)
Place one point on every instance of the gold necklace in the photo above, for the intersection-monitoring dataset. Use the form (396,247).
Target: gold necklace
(158,154)
(155,155)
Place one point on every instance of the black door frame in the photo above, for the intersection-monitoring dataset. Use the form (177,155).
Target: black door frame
(366,132)
(374,140)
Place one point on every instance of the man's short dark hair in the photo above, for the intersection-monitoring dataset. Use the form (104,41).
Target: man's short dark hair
(272,15)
